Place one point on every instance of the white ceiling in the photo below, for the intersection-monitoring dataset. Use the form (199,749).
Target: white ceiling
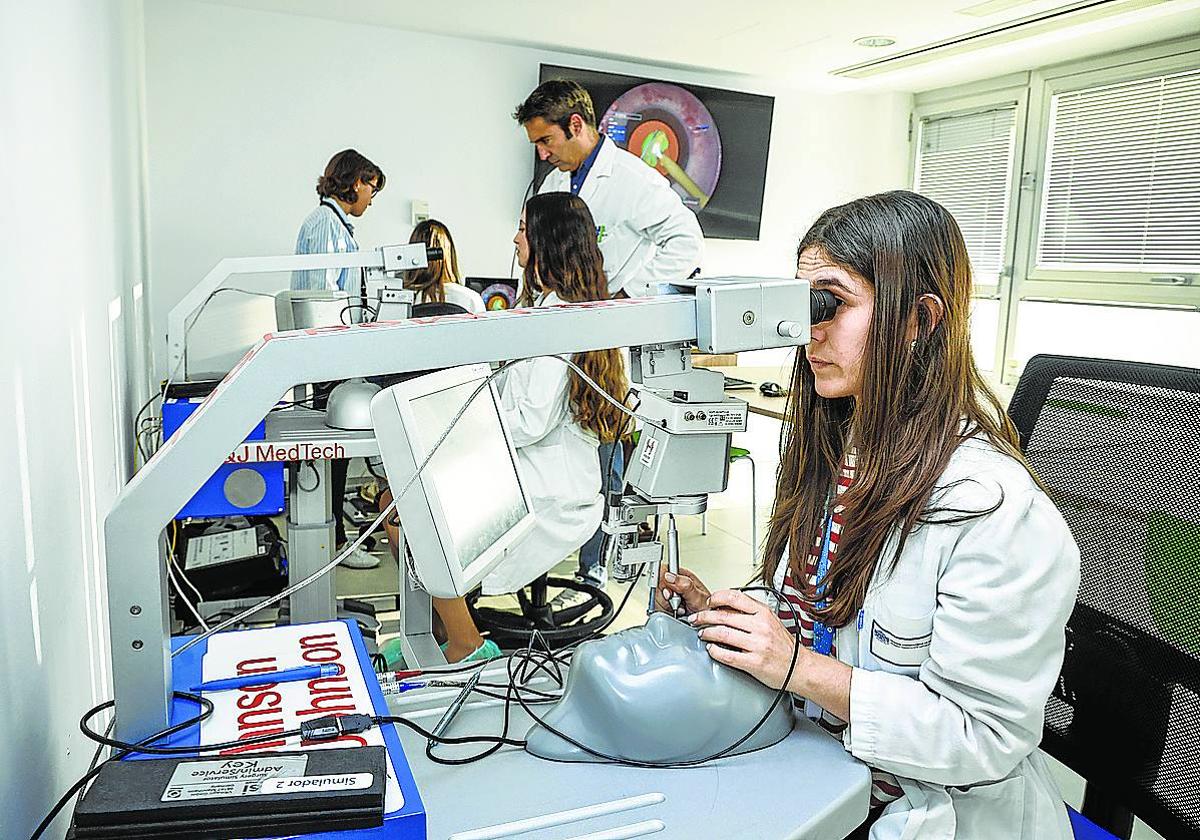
(791,42)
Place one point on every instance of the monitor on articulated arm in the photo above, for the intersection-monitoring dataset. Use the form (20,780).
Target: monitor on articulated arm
(469,505)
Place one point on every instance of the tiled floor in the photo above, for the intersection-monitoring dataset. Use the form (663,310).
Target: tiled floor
(722,557)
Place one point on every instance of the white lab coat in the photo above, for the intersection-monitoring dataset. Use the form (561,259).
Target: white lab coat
(560,467)
(958,652)
(646,234)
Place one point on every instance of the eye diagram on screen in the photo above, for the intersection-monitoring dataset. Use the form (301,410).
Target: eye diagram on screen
(671,130)
(711,144)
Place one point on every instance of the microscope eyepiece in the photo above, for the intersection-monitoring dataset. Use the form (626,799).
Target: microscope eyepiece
(823,305)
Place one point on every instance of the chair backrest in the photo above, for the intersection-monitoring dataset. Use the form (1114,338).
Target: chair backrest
(430,310)
(1117,445)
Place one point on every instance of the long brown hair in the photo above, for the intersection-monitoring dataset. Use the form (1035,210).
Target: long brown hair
(428,282)
(919,401)
(564,258)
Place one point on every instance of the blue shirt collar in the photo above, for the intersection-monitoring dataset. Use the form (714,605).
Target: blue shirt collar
(341,214)
(580,174)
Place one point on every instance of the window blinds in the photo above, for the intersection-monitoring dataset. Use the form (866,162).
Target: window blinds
(1121,190)
(965,163)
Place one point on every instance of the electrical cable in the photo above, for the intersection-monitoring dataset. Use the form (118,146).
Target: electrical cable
(143,429)
(92,771)
(139,431)
(370,310)
(145,747)
(383,514)
(206,707)
(175,583)
(316,474)
(179,569)
(445,739)
(307,402)
(138,417)
(371,469)
(779,695)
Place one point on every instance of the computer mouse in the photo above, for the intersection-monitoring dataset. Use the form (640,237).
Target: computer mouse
(772,389)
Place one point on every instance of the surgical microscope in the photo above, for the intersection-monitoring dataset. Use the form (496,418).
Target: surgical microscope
(681,456)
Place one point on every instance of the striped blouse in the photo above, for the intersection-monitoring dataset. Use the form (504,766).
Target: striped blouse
(884,787)
(326,230)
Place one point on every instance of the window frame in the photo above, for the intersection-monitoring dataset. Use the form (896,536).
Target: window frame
(1012,90)
(1021,280)
(1093,285)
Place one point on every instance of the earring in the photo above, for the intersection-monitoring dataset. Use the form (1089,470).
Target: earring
(912,347)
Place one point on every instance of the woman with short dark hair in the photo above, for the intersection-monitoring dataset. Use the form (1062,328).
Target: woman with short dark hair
(346,189)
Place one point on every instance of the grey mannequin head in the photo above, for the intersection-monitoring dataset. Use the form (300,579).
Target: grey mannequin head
(653,694)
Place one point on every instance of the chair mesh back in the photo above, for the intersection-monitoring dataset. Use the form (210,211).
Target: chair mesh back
(1118,446)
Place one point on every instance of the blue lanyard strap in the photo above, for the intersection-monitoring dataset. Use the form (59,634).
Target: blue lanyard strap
(822,634)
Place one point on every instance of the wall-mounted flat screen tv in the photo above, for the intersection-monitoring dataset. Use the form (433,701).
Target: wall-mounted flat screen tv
(711,144)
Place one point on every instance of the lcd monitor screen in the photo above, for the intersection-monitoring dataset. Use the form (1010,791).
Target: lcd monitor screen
(711,144)
(473,473)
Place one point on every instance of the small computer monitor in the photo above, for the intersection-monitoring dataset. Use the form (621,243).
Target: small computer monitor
(470,505)
(497,292)
(305,309)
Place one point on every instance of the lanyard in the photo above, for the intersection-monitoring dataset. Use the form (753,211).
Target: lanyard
(337,211)
(343,274)
(823,634)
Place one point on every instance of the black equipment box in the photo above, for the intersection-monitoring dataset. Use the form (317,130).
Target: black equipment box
(249,795)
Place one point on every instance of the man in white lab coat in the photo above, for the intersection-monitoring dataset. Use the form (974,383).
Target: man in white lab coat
(645,232)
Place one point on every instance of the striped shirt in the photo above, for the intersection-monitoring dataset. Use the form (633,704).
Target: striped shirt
(326,230)
(884,787)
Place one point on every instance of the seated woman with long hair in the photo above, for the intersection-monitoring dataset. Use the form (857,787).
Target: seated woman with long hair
(556,420)
(928,576)
(440,281)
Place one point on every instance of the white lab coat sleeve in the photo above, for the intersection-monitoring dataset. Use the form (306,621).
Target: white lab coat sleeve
(660,217)
(533,396)
(975,710)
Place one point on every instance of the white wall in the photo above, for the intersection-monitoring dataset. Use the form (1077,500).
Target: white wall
(245,107)
(69,333)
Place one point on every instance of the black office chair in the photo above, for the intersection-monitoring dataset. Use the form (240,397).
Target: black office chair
(1118,446)
(431,310)
(558,628)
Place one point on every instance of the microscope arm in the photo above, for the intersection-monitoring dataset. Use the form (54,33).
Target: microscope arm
(138,614)
(725,314)
(389,259)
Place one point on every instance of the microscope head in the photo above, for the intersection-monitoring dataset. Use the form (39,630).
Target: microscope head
(653,694)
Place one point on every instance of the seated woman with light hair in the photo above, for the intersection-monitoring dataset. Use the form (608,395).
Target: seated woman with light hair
(440,281)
